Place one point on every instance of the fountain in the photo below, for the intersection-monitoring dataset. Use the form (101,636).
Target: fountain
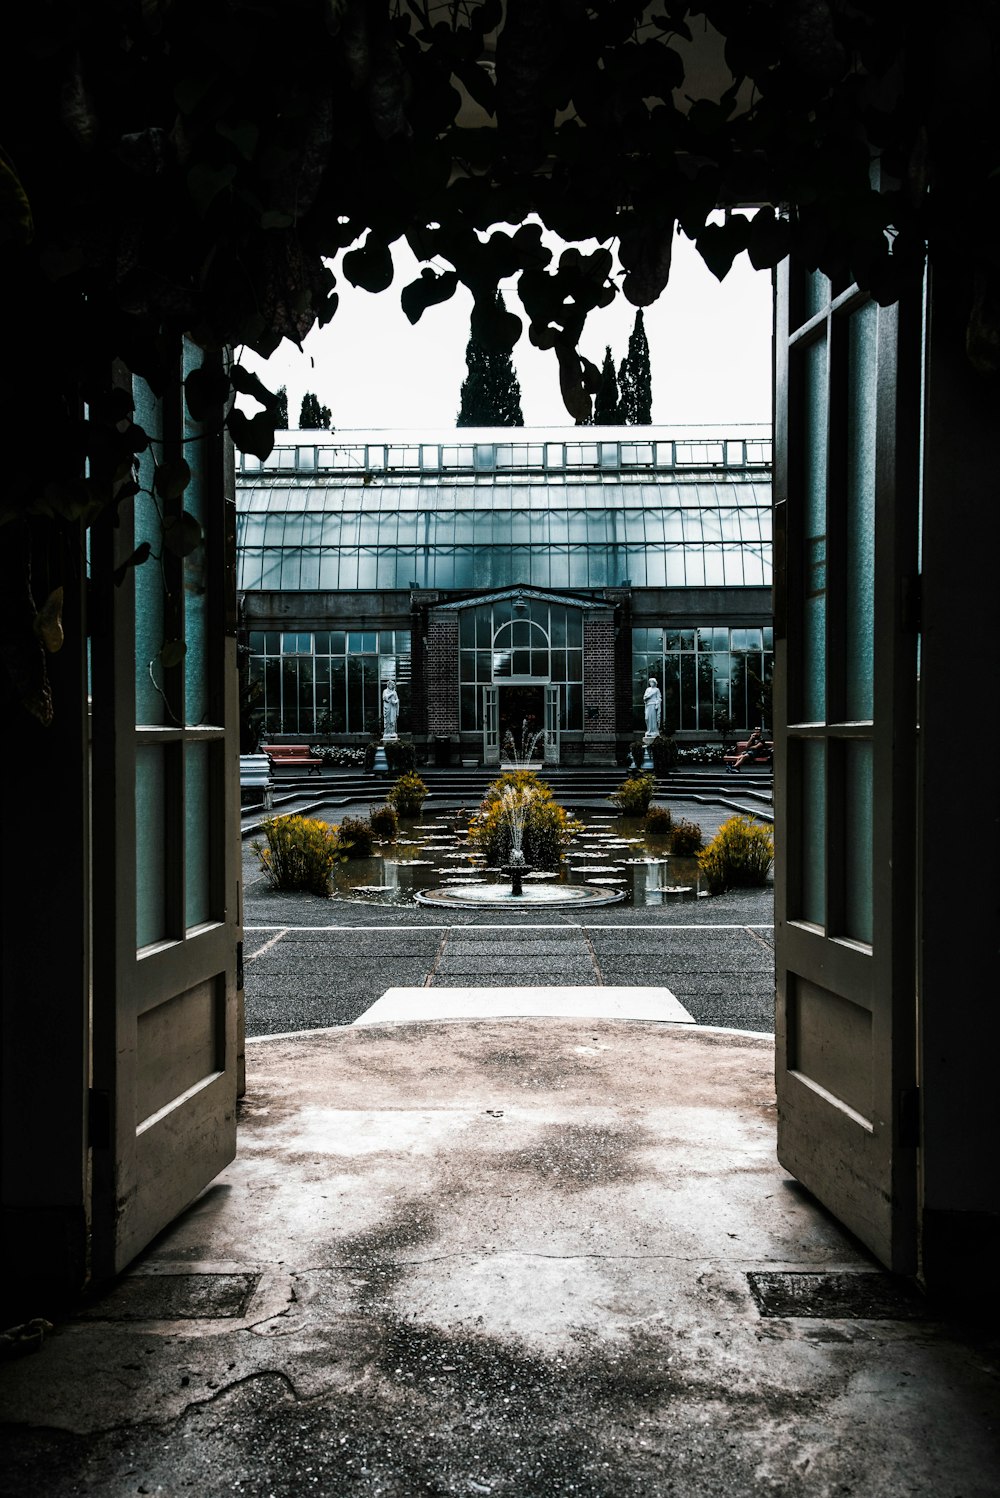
(515,803)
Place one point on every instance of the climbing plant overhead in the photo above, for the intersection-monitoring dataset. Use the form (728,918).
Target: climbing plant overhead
(191,166)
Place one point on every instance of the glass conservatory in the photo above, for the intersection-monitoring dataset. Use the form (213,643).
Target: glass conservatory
(502,581)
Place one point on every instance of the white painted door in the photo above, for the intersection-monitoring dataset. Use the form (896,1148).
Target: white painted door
(165,846)
(491,725)
(552,725)
(846,653)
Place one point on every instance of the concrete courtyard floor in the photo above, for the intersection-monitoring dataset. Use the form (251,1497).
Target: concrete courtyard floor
(532,1256)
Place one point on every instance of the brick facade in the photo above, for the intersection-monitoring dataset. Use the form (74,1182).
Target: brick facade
(442,673)
(599,686)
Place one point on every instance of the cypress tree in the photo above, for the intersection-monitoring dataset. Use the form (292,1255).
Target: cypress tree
(312,415)
(281,414)
(491,393)
(634,378)
(607,406)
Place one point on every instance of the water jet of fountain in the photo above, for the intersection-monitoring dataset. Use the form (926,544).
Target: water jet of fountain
(521,758)
(515,803)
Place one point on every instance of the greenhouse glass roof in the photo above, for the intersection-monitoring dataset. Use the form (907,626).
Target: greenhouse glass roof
(543,524)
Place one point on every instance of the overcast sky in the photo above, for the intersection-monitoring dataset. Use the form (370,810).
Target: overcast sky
(709,342)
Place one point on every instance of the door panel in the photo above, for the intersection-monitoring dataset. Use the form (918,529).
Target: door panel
(845,654)
(166,875)
(491,725)
(552,725)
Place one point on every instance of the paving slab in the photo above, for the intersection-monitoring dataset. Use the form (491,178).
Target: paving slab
(520,1258)
(442,1002)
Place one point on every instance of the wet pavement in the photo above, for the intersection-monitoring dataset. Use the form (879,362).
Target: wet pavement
(520,1258)
(535,1257)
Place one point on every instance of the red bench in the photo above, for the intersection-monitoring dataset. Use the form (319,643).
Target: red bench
(762,755)
(295,755)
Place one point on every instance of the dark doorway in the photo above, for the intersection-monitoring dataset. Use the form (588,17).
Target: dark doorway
(522,715)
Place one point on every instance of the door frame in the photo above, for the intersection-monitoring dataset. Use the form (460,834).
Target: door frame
(841,1004)
(165,1120)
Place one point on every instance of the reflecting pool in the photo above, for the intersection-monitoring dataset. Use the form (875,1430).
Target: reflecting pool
(610,853)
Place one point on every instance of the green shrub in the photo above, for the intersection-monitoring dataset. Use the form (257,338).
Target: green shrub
(548,827)
(384,823)
(686,839)
(659,820)
(662,751)
(300,853)
(399,755)
(360,836)
(408,795)
(739,855)
(634,795)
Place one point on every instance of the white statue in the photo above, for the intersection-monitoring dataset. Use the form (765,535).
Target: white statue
(652,702)
(390,710)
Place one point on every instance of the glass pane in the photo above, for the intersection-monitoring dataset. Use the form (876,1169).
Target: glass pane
(858,786)
(689,695)
(150,845)
(816,293)
(338,697)
(860,601)
(814,538)
(150,706)
(355,698)
(197,827)
(196,500)
(813,833)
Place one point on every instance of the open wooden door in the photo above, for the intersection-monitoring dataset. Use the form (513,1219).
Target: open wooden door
(165,842)
(491,725)
(551,741)
(846,535)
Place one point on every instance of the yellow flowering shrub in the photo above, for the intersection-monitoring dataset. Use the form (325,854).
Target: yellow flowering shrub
(300,853)
(739,855)
(547,826)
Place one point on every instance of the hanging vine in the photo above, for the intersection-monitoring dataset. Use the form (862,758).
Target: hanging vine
(190,167)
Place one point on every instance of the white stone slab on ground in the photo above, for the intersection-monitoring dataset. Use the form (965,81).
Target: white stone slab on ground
(592,1002)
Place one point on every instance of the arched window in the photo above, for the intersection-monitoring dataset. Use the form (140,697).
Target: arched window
(521,649)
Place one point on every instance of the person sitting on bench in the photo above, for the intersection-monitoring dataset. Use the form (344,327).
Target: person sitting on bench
(753,744)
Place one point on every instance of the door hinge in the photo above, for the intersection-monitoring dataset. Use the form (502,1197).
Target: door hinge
(909,1118)
(239,965)
(98,1119)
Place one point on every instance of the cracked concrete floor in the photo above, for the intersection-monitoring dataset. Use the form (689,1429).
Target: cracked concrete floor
(504,1257)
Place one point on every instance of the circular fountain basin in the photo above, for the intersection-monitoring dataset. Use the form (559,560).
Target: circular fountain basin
(494,896)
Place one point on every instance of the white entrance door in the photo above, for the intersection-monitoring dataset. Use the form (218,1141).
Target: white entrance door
(552,725)
(491,725)
(845,656)
(166,875)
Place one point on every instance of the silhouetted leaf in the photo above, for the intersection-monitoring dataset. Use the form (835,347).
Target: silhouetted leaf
(252,434)
(48,622)
(645,253)
(427,292)
(247,383)
(140,555)
(182,534)
(369,267)
(770,239)
(206,389)
(172,653)
(719,244)
(172,478)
